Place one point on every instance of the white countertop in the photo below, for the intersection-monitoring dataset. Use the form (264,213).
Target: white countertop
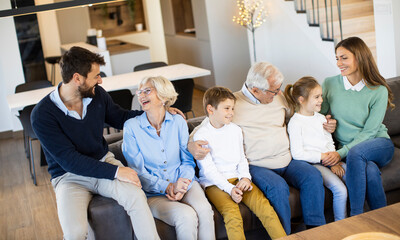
(131,80)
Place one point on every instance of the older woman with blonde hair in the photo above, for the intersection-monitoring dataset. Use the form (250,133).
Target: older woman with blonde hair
(155,146)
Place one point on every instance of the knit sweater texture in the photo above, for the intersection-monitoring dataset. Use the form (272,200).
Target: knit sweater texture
(76,146)
(359,115)
(266,141)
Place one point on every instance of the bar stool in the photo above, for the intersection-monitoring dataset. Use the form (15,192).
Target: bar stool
(53,61)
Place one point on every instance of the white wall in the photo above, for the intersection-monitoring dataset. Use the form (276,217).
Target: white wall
(219,45)
(396,28)
(229,45)
(385,28)
(11,72)
(287,41)
(192,50)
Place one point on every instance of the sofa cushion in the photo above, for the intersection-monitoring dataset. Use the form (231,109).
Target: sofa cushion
(392,117)
(396,140)
(116,225)
(391,172)
(116,148)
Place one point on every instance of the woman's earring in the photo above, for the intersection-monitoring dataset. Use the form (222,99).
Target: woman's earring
(163,103)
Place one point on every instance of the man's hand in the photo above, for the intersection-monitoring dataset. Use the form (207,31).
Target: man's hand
(330,124)
(330,158)
(174,111)
(236,195)
(127,174)
(244,185)
(196,149)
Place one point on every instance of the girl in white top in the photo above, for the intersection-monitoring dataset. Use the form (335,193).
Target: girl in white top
(310,142)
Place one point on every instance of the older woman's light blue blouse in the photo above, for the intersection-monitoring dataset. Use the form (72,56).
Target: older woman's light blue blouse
(158,160)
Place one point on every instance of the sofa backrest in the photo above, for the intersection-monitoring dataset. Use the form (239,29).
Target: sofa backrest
(392,117)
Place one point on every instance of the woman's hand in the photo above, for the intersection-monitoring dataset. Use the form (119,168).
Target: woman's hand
(236,195)
(197,150)
(181,185)
(330,158)
(338,170)
(174,111)
(330,124)
(171,195)
(244,185)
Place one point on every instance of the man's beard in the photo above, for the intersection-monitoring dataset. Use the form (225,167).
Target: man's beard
(87,93)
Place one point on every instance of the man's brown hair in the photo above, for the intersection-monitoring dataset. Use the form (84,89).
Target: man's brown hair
(78,60)
(213,96)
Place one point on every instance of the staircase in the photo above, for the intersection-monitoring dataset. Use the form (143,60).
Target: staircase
(340,19)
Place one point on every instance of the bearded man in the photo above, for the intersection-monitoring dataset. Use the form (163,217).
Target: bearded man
(69,123)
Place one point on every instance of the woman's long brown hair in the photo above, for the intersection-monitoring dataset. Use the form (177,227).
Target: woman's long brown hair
(366,64)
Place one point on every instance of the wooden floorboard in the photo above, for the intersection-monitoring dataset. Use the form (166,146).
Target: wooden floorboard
(28,211)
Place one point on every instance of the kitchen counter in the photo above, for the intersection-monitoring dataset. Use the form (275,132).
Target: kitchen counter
(118,47)
(125,56)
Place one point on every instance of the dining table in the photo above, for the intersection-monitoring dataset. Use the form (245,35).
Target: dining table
(18,101)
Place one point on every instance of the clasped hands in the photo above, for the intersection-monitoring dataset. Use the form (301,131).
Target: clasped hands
(330,158)
(237,192)
(175,191)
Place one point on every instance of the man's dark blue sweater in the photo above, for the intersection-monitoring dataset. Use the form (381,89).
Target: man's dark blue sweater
(76,146)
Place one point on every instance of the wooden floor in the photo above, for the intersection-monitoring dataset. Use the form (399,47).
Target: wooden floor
(28,211)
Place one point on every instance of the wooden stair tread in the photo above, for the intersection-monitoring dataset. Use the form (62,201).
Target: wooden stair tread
(349,11)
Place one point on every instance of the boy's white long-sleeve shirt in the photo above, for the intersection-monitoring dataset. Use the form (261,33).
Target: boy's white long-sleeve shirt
(308,138)
(226,158)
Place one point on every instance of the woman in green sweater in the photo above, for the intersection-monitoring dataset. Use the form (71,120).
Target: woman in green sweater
(358,99)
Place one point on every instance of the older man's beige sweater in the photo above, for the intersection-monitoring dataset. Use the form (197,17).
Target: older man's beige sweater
(264,131)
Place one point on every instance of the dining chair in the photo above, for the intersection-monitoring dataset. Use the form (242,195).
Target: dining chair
(123,98)
(150,65)
(25,118)
(184,87)
(27,87)
(53,61)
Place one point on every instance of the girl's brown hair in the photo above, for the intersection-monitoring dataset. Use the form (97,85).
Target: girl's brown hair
(366,64)
(301,88)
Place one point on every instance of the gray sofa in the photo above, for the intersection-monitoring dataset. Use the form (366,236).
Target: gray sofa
(110,221)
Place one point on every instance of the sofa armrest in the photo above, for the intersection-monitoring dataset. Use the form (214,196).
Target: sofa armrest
(194,122)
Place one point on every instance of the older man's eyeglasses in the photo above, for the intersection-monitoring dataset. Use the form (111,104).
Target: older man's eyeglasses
(273,92)
(146,91)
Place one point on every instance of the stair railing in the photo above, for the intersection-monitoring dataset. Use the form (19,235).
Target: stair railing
(327,11)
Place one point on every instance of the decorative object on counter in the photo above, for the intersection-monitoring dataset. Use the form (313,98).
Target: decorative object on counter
(131,8)
(139,27)
(101,41)
(91,36)
(252,15)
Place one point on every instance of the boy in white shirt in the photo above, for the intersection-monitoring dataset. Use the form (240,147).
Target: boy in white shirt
(224,172)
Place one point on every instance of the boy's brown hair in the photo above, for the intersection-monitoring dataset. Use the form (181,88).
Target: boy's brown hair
(213,96)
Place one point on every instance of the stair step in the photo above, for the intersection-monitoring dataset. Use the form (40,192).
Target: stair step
(352,10)
(367,37)
(334,2)
(350,26)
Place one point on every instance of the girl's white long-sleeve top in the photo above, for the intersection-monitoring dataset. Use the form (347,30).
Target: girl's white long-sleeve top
(308,138)
(226,158)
